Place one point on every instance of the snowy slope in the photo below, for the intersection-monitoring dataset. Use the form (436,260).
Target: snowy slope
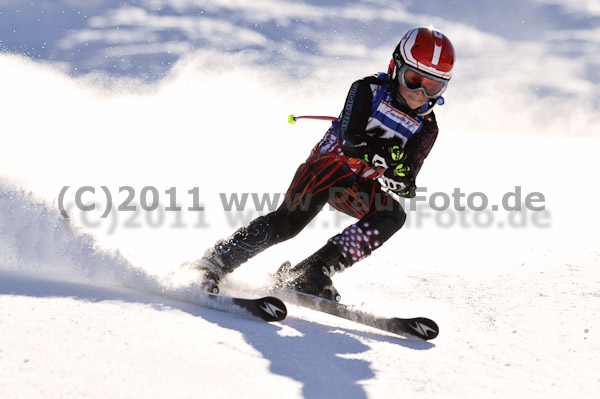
(195,94)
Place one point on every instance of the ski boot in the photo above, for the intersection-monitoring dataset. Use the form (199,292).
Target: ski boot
(209,273)
(313,275)
(231,252)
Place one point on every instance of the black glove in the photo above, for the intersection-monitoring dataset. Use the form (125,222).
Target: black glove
(401,180)
(385,153)
(409,192)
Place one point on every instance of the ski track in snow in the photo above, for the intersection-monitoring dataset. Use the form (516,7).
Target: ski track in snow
(96,308)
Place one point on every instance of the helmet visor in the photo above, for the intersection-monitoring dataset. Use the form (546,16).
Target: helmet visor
(413,80)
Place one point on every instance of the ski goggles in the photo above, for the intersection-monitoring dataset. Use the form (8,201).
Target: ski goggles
(414,80)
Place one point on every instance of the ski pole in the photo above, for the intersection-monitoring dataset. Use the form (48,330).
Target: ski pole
(292,119)
(389,192)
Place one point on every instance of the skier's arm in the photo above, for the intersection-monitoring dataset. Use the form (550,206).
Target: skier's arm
(419,146)
(357,110)
(401,178)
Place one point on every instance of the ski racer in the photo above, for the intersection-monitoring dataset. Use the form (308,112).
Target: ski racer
(376,147)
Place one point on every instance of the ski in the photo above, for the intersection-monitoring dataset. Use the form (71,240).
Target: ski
(267,308)
(417,327)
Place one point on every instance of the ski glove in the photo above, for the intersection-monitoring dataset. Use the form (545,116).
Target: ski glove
(401,180)
(385,153)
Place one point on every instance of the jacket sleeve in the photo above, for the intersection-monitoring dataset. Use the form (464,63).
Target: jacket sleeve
(354,140)
(419,146)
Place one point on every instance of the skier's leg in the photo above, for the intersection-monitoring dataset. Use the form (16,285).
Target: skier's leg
(381,218)
(305,197)
(359,240)
(227,254)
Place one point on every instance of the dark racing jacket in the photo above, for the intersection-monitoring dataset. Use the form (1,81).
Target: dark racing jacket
(370,113)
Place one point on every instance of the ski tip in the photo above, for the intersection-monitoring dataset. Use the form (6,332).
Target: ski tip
(271,308)
(422,328)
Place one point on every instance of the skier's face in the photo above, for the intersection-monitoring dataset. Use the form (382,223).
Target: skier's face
(414,98)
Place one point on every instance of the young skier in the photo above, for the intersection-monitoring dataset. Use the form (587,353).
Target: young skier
(377,145)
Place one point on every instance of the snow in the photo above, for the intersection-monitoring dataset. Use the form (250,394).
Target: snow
(184,95)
